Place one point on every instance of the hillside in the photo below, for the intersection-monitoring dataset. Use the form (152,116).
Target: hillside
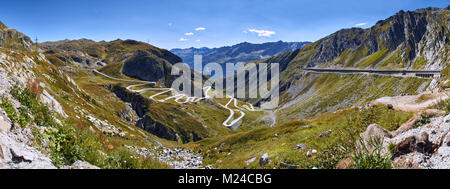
(87,104)
(413,40)
(69,114)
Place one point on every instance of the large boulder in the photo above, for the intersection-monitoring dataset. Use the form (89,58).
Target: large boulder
(375,131)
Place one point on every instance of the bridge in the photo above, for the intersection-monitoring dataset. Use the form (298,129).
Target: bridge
(411,73)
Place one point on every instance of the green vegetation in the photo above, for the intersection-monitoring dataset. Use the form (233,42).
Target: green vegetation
(280,141)
(374,58)
(333,91)
(424,119)
(420,63)
(358,54)
(40,112)
(68,141)
(446,77)
(20,118)
(370,156)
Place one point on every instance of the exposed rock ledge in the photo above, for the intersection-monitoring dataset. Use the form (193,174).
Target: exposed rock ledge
(17,152)
(426,147)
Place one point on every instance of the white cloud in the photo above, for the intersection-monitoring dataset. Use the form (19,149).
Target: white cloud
(200,29)
(189,33)
(361,24)
(198,40)
(183,39)
(245,31)
(262,33)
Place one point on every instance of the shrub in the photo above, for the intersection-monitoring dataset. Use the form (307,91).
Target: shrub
(40,112)
(423,121)
(34,87)
(370,156)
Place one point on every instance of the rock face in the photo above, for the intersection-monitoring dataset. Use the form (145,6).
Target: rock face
(148,124)
(423,32)
(408,40)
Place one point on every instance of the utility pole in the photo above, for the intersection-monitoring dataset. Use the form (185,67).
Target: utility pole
(36,44)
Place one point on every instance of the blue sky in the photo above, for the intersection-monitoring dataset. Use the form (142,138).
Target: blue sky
(185,23)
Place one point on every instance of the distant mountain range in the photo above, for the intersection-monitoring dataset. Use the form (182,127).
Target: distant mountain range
(242,52)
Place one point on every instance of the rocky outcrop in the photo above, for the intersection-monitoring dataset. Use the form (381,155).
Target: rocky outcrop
(16,150)
(128,114)
(264,160)
(145,121)
(105,127)
(415,119)
(148,124)
(176,158)
(140,105)
(11,38)
(425,146)
(375,131)
(423,32)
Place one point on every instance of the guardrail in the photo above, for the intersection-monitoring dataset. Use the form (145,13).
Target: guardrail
(416,73)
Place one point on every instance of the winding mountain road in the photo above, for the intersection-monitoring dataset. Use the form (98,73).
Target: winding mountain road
(230,122)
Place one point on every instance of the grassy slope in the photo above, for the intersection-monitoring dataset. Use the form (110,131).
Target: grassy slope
(280,141)
(84,140)
(331,91)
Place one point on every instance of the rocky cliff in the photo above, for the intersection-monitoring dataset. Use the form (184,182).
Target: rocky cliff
(412,40)
(13,39)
